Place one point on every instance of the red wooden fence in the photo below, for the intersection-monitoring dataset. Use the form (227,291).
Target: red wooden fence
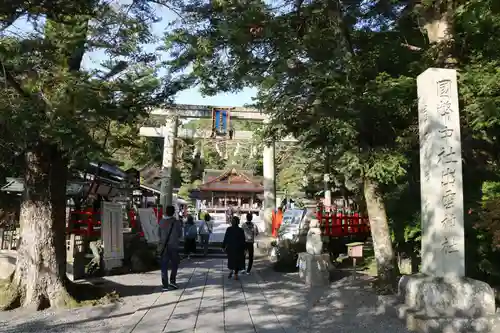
(339,224)
(85,222)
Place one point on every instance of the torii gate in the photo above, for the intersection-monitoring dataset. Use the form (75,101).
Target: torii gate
(169,131)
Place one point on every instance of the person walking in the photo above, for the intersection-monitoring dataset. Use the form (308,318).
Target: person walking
(234,246)
(276,219)
(250,231)
(205,231)
(190,234)
(170,230)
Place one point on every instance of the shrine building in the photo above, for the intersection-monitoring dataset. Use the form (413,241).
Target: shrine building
(238,188)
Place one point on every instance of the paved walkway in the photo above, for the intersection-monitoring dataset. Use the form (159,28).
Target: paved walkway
(207,302)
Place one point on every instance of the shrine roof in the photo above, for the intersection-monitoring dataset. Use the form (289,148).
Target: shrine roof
(211,174)
(231,180)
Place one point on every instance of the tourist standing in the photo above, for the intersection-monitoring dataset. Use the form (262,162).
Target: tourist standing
(276,220)
(234,246)
(250,231)
(170,230)
(190,234)
(205,231)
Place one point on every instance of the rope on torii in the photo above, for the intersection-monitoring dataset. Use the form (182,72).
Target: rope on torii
(253,151)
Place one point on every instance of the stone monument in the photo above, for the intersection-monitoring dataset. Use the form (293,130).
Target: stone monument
(314,266)
(441,298)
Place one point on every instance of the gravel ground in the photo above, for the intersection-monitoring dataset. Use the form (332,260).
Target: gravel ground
(138,290)
(347,306)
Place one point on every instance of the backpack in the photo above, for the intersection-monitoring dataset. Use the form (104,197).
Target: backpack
(248,228)
(191,232)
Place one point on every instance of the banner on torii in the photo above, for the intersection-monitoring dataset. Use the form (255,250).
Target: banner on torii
(221,122)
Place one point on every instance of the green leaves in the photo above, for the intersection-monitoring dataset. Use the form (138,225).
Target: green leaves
(86,111)
(325,74)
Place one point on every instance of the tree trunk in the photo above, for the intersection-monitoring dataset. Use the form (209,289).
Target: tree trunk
(387,267)
(437,22)
(58,184)
(39,277)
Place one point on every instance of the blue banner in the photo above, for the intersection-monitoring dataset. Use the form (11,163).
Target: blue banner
(221,121)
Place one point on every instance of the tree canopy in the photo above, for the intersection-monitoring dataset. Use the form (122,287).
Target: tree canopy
(338,75)
(56,113)
(341,76)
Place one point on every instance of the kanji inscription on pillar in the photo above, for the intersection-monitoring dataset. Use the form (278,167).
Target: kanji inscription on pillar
(441,174)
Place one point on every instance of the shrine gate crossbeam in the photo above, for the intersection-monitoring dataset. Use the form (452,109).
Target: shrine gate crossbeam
(204,111)
(169,131)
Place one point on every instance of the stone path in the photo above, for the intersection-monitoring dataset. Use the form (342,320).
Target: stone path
(207,302)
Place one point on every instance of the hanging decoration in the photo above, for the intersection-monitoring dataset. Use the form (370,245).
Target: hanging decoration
(222,151)
(237,150)
(253,151)
(195,151)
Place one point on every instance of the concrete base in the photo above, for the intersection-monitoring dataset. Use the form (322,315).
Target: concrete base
(314,269)
(419,322)
(112,263)
(446,305)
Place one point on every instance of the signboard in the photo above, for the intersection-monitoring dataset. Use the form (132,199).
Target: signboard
(292,216)
(112,234)
(149,224)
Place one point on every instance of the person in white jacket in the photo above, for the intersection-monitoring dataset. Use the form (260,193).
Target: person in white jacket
(251,232)
(204,231)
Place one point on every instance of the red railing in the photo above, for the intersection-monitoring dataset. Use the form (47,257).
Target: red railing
(340,224)
(86,223)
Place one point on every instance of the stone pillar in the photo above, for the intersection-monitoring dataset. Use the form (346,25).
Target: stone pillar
(441,293)
(168,163)
(443,252)
(269,184)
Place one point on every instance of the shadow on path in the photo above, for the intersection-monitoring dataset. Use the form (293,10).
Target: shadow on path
(264,302)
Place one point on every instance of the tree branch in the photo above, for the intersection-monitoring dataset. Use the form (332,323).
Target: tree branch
(344,28)
(9,21)
(38,98)
(411,47)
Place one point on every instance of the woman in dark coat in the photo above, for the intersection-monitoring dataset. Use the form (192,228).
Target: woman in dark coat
(234,245)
